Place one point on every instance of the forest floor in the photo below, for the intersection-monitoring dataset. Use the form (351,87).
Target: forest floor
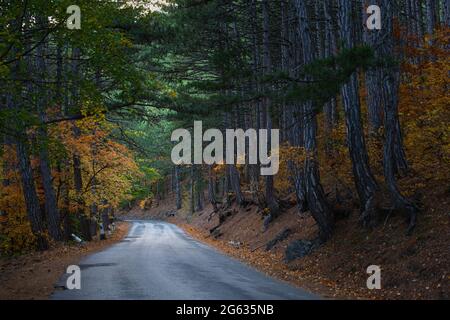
(412,267)
(32,276)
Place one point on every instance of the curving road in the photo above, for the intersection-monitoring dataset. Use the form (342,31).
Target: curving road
(157,260)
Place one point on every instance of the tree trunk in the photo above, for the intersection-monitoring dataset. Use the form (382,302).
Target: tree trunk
(105,217)
(178,195)
(391,81)
(374,86)
(192,194)
(373,78)
(25,169)
(317,202)
(431,20)
(30,195)
(78,184)
(272,203)
(235,184)
(255,168)
(446,13)
(198,189)
(51,205)
(211,188)
(233,174)
(364,179)
(330,108)
(77,173)
(65,211)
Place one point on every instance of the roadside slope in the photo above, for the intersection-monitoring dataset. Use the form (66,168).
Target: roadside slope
(414,267)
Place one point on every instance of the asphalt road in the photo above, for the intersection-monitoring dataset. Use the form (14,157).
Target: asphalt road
(157,260)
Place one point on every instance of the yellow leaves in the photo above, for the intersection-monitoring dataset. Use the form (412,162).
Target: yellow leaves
(16,235)
(93,116)
(173,94)
(142,204)
(4,70)
(219,169)
(125,42)
(424,101)
(107,166)
(15,229)
(290,157)
(19,231)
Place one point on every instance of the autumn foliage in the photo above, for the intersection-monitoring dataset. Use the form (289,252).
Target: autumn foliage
(108,170)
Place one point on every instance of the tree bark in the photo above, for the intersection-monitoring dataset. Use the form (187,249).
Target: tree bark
(431,20)
(391,81)
(178,195)
(26,171)
(446,13)
(255,168)
(77,173)
(192,193)
(317,202)
(30,194)
(211,188)
(374,86)
(198,189)
(364,179)
(271,201)
(51,205)
(373,79)
(330,108)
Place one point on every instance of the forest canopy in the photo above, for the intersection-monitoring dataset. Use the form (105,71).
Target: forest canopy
(86,114)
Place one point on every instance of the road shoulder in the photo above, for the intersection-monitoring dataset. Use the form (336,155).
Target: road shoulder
(32,276)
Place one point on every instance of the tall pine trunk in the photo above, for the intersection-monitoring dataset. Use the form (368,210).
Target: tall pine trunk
(271,201)
(51,205)
(431,14)
(30,194)
(391,82)
(317,202)
(20,141)
(212,188)
(364,179)
(255,168)
(330,108)
(77,173)
(178,196)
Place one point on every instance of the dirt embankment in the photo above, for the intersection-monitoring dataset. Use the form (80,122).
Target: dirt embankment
(412,267)
(33,275)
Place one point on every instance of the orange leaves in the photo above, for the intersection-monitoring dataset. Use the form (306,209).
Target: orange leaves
(15,229)
(424,104)
(142,204)
(16,235)
(219,169)
(290,157)
(107,165)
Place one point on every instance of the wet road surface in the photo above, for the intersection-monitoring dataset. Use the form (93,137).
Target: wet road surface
(157,260)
